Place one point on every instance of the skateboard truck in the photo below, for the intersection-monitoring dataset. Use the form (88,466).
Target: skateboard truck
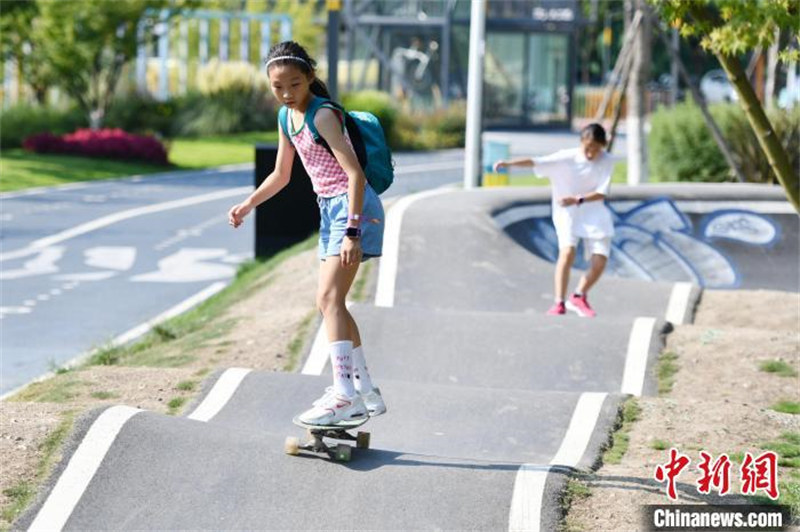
(315,443)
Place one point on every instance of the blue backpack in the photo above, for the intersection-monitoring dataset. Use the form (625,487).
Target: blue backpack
(367,137)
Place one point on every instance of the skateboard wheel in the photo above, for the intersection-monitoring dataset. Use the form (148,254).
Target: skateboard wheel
(343,452)
(292,445)
(362,440)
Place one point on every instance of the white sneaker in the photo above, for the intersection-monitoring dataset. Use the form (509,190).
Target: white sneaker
(332,408)
(374,402)
(325,396)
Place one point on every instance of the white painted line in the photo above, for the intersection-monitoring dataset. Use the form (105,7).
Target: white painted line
(763,207)
(81,468)
(132,334)
(180,308)
(318,357)
(387,271)
(41,190)
(678,306)
(636,359)
(581,426)
(135,178)
(526,501)
(524,212)
(706,206)
(105,221)
(220,394)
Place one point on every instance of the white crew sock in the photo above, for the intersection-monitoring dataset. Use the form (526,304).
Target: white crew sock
(362,381)
(342,364)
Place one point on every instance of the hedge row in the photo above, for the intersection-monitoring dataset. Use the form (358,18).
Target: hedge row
(682,149)
(231,111)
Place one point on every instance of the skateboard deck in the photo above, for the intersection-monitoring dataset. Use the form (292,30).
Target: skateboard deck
(315,442)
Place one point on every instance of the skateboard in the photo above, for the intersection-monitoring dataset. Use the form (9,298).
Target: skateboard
(340,452)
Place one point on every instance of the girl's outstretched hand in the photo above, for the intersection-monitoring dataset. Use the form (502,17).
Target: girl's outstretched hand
(237,213)
(499,165)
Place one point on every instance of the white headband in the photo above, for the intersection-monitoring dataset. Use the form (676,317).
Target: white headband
(283,57)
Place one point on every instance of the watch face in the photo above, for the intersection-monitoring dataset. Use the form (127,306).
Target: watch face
(353,232)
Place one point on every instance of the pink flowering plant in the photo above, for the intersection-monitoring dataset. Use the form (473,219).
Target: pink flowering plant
(101,143)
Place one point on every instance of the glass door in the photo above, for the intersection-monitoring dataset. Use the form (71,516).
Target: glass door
(504,78)
(526,78)
(548,78)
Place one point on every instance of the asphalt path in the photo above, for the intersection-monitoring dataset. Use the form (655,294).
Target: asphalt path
(485,405)
(89,264)
(491,404)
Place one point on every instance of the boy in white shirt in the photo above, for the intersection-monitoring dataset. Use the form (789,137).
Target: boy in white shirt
(580,178)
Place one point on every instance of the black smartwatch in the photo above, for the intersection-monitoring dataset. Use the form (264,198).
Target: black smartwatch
(353,232)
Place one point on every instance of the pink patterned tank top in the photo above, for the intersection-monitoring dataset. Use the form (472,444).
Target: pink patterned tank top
(327,176)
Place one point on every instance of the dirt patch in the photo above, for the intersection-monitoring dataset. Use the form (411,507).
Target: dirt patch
(266,323)
(260,331)
(720,403)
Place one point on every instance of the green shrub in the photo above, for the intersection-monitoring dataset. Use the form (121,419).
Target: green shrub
(21,121)
(440,129)
(230,111)
(682,148)
(747,151)
(233,98)
(143,114)
(450,121)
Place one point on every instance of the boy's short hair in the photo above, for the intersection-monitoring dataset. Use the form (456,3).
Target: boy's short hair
(595,132)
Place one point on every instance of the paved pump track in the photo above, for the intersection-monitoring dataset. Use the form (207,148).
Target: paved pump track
(491,403)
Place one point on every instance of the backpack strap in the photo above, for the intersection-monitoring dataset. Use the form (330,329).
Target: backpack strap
(315,105)
(349,125)
(283,117)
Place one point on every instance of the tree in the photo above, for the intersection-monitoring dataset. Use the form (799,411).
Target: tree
(729,28)
(16,23)
(86,44)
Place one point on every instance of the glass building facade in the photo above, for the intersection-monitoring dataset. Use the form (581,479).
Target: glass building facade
(420,50)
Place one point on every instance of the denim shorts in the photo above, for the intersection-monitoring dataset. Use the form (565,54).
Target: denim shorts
(333,215)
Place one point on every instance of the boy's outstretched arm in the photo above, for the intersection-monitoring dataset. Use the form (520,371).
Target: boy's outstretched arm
(522,161)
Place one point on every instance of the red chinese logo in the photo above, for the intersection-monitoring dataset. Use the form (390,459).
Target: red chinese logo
(760,473)
(716,475)
(671,470)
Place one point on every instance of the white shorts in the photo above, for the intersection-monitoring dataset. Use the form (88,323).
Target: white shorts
(596,246)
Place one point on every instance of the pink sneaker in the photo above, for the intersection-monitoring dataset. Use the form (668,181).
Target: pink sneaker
(557,309)
(580,306)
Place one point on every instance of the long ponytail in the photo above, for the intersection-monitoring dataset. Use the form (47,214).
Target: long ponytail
(289,52)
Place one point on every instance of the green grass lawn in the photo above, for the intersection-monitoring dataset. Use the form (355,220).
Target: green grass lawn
(21,169)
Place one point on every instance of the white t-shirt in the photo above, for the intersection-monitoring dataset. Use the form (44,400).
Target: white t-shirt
(572,174)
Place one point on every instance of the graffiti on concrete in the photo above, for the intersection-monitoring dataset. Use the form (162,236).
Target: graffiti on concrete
(656,241)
